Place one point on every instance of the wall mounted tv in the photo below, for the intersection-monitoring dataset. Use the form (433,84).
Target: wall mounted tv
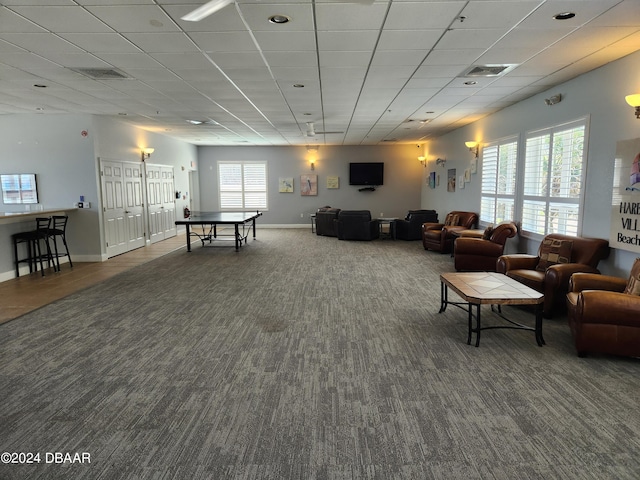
(19,188)
(371,173)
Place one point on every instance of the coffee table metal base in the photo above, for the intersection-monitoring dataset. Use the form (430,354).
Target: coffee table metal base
(476,301)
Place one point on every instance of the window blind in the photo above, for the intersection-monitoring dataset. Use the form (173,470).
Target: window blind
(499,164)
(242,185)
(553,180)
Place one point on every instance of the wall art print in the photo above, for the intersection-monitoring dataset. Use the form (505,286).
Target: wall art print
(309,184)
(451,180)
(285,185)
(333,181)
(432,179)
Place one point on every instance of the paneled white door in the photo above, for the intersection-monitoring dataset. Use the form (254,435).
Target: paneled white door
(160,201)
(122,206)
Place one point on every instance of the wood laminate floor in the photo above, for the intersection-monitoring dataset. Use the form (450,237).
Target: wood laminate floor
(29,292)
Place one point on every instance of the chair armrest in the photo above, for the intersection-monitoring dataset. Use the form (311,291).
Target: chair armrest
(558,275)
(593,281)
(432,226)
(516,261)
(449,229)
(599,306)
(477,246)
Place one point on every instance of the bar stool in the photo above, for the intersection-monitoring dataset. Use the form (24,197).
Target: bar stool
(32,239)
(57,229)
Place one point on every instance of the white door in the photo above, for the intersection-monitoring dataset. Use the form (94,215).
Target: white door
(122,206)
(161,202)
(168,202)
(154,202)
(194,191)
(134,205)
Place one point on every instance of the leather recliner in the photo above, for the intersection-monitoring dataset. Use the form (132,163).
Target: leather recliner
(325,221)
(410,228)
(481,254)
(553,282)
(357,225)
(602,318)
(439,236)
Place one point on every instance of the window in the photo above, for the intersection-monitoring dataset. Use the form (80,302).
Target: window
(553,173)
(499,181)
(242,185)
(19,188)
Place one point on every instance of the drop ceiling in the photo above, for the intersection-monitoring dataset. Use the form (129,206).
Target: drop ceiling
(338,73)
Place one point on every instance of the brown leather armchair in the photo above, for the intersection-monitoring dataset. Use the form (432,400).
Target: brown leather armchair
(602,318)
(553,281)
(481,254)
(439,236)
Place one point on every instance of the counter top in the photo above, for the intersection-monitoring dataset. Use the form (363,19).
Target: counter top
(15,217)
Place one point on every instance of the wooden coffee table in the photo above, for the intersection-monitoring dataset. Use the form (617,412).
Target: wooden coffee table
(480,288)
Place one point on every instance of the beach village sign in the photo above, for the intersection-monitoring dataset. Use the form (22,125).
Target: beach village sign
(625,204)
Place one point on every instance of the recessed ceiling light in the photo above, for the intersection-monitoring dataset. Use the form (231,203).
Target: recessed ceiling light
(278,19)
(298,85)
(39,85)
(470,82)
(564,16)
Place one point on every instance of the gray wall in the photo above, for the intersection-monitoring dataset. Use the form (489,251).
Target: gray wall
(66,164)
(403,176)
(598,95)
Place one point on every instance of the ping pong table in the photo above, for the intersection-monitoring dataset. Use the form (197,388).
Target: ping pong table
(209,222)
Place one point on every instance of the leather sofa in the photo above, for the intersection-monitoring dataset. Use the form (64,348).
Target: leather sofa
(325,221)
(602,318)
(439,236)
(410,227)
(553,281)
(356,225)
(481,254)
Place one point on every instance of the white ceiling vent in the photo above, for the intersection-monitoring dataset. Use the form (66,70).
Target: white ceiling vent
(102,73)
(488,70)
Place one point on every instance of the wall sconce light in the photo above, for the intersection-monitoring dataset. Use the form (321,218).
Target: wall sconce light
(146,153)
(441,161)
(312,150)
(423,160)
(634,101)
(474,147)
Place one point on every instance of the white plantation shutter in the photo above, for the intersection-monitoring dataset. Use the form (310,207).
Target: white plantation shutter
(242,185)
(499,163)
(553,174)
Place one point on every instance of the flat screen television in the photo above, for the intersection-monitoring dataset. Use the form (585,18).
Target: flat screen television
(367,173)
(19,188)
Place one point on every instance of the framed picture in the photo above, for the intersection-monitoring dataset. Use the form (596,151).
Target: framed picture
(474,165)
(285,185)
(309,184)
(467,175)
(451,180)
(333,181)
(432,179)
(461,181)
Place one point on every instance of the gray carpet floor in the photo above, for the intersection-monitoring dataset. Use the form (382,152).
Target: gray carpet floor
(304,357)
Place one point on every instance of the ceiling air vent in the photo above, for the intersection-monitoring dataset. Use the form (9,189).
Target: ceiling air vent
(488,70)
(102,73)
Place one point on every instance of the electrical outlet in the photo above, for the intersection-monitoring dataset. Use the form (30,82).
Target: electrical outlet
(302,215)
(381,214)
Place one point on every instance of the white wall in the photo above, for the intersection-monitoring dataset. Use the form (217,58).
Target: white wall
(403,176)
(600,96)
(66,164)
